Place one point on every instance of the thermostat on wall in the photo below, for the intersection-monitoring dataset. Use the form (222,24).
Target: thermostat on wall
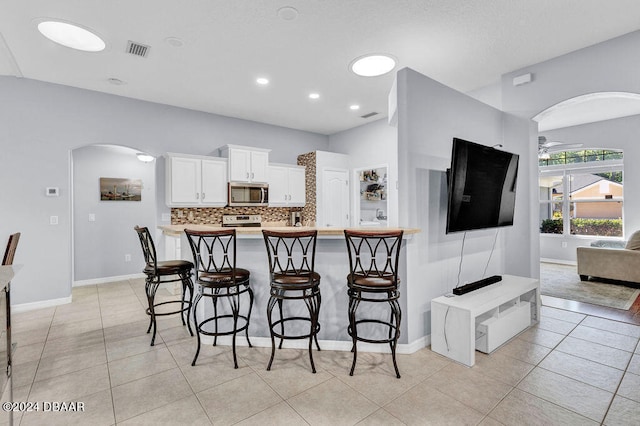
(53,191)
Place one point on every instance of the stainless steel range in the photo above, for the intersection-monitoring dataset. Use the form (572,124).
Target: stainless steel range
(241,220)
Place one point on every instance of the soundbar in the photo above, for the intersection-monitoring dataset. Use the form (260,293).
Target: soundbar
(476,285)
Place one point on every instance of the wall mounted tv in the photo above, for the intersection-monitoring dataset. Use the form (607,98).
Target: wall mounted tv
(482,187)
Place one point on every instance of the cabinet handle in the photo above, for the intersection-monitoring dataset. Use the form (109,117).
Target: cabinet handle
(247,175)
(197,196)
(251,175)
(203,195)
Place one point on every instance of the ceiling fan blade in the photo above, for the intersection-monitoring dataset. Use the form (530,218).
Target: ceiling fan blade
(543,142)
(563,147)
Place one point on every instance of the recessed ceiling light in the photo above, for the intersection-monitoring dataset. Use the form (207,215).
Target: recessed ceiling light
(116,81)
(174,41)
(262,81)
(144,157)
(314,95)
(373,65)
(354,107)
(288,13)
(71,35)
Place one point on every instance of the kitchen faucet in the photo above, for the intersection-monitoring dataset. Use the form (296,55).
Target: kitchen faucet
(380,214)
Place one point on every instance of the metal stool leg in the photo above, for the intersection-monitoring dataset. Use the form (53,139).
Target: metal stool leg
(234,302)
(270,305)
(151,288)
(195,321)
(312,331)
(395,309)
(354,331)
(317,312)
(186,284)
(249,314)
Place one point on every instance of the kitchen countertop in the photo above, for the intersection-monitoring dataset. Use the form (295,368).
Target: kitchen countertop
(177,230)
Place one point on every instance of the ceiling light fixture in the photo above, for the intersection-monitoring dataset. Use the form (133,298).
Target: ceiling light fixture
(174,41)
(314,95)
(262,81)
(354,107)
(144,157)
(372,65)
(288,13)
(116,81)
(71,35)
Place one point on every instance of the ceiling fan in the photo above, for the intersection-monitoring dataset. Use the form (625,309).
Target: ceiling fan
(546,147)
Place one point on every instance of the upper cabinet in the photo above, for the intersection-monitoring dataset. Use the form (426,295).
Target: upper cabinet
(246,164)
(286,186)
(193,181)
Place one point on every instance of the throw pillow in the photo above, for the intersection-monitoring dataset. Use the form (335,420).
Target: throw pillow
(634,241)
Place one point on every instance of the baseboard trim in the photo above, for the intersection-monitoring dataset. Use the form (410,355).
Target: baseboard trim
(93,281)
(329,345)
(559,261)
(24,307)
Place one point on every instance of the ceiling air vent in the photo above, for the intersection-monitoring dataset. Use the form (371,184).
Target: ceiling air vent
(137,49)
(371,114)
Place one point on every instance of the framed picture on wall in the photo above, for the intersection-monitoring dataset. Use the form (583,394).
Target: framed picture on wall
(120,189)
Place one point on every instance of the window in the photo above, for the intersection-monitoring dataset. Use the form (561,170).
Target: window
(581,193)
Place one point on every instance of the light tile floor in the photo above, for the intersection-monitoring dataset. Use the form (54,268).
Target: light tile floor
(570,369)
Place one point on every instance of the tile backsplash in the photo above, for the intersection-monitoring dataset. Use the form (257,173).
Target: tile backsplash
(213,215)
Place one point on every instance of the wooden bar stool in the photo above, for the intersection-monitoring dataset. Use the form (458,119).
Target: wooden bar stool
(373,277)
(214,253)
(292,276)
(160,272)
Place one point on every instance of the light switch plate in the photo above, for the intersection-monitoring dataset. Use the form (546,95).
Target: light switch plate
(92,217)
(53,220)
(52,191)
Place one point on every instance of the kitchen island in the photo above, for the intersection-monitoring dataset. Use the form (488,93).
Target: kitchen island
(332,263)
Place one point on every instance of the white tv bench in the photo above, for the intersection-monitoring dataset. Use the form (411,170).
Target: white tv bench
(483,319)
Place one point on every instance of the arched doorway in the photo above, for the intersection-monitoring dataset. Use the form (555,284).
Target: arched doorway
(104,246)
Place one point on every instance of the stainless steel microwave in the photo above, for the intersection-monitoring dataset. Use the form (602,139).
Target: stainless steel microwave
(248,194)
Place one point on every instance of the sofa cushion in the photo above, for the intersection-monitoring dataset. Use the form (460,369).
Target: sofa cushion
(634,241)
(609,243)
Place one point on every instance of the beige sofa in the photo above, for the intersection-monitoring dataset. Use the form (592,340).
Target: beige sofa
(621,264)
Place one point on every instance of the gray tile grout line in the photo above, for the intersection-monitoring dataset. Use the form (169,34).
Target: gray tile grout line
(620,383)
(537,365)
(379,406)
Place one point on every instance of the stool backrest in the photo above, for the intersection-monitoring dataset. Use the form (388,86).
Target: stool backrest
(148,248)
(10,252)
(213,251)
(374,253)
(291,253)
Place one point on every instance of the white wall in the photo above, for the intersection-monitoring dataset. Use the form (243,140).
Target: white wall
(100,246)
(604,67)
(429,116)
(490,95)
(41,123)
(368,146)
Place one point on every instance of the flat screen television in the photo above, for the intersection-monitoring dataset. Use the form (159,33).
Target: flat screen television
(481,187)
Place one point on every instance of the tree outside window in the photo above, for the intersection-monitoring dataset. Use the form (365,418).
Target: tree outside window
(581,193)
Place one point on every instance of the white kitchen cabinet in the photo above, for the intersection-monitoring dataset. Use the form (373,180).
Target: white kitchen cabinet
(286,186)
(246,164)
(193,181)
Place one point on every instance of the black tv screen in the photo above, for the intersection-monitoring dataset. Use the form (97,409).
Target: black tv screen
(482,187)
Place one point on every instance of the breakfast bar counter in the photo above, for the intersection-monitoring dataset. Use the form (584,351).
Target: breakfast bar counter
(256,231)
(331,262)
